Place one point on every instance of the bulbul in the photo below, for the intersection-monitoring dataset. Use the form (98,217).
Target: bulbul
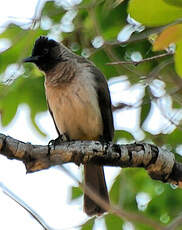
(79,101)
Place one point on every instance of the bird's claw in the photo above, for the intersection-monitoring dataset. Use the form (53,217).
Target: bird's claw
(62,138)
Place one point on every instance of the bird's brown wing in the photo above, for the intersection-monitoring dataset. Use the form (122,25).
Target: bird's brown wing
(94,174)
(104,100)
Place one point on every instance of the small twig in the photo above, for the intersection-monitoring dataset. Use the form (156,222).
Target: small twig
(25,206)
(108,50)
(112,56)
(35,17)
(175,223)
(139,62)
(137,36)
(166,116)
(30,210)
(155,71)
(121,106)
(143,35)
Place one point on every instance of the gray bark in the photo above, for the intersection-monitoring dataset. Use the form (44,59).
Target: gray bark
(160,163)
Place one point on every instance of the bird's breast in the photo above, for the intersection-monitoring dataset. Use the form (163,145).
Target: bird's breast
(75,108)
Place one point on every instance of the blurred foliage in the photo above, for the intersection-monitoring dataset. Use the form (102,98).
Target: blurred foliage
(106,20)
(88,225)
(155,12)
(113,221)
(76,193)
(146,106)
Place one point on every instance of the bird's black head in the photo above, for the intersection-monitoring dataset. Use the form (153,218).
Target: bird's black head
(45,54)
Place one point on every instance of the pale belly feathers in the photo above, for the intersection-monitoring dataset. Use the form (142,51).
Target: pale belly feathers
(75,109)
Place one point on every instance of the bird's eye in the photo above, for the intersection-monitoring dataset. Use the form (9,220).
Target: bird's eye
(45,51)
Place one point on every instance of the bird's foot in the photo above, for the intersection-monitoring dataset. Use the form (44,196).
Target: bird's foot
(101,139)
(62,138)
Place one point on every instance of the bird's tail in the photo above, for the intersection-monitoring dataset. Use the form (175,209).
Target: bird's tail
(94,179)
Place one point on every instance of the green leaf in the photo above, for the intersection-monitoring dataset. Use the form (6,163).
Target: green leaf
(122,193)
(178,58)
(146,106)
(154,13)
(113,222)
(53,11)
(11,31)
(104,12)
(76,192)
(22,42)
(88,225)
(142,227)
(174,2)
(23,90)
(174,138)
(100,58)
(168,201)
(8,104)
(115,192)
(122,134)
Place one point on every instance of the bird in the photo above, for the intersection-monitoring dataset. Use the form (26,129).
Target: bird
(79,102)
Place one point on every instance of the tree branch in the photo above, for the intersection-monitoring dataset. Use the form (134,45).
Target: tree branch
(139,62)
(135,37)
(159,163)
(175,223)
(121,106)
(19,201)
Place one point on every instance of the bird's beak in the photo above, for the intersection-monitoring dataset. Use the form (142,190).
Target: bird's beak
(31,59)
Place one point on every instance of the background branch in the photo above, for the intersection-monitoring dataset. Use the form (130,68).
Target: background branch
(175,223)
(19,201)
(143,60)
